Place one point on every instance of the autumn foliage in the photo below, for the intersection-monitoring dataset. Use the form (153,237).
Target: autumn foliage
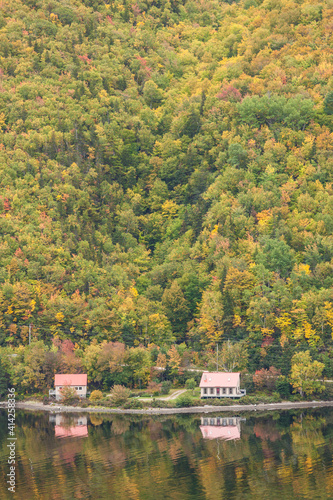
(266,379)
(166,178)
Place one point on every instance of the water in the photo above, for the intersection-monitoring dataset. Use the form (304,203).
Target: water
(280,455)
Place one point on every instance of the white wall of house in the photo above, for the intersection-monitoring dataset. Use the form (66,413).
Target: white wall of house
(219,392)
(81,390)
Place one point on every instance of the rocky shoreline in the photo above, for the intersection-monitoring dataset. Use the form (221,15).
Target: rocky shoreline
(56,408)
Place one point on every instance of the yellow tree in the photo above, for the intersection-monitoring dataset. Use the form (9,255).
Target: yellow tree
(91,357)
(211,317)
(161,360)
(174,359)
(285,324)
(305,373)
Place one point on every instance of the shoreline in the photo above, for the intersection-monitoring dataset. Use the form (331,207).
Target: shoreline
(171,411)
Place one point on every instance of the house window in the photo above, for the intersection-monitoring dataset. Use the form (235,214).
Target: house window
(224,390)
(212,390)
(217,391)
(231,421)
(205,390)
(76,388)
(60,387)
(230,390)
(218,421)
(80,388)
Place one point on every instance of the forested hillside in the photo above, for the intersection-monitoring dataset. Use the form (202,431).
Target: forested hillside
(166,174)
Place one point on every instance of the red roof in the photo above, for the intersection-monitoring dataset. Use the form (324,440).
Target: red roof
(219,379)
(70,379)
(216,432)
(76,431)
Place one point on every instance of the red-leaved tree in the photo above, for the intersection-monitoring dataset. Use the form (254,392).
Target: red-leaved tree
(266,379)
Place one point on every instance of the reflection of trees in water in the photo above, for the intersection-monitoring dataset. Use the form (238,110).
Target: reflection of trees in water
(68,420)
(307,435)
(266,431)
(96,419)
(155,429)
(266,459)
(142,457)
(120,425)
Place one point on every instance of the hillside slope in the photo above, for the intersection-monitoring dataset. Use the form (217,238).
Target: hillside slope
(166,173)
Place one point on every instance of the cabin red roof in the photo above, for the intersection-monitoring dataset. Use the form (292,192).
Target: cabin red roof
(75,431)
(219,379)
(70,379)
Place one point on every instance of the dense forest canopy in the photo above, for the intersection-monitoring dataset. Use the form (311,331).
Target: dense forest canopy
(166,174)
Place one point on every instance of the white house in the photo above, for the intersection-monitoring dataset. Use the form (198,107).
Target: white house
(77,381)
(221,385)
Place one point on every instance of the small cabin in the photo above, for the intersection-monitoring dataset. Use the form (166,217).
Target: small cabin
(77,381)
(221,385)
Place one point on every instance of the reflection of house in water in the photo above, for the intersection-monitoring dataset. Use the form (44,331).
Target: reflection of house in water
(221,428)
(69,427)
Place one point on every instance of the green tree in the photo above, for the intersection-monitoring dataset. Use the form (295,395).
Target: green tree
(277,256)
(176,308)
(152,94)
(4,379)
(328,103)
(191,384)
(138,360)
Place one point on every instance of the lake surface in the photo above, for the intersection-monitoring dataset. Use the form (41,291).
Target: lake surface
(276,455)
